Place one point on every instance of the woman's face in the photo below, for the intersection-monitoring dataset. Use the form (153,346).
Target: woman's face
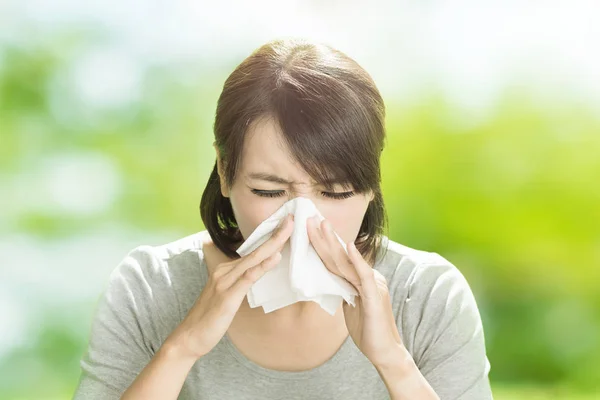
(266,155)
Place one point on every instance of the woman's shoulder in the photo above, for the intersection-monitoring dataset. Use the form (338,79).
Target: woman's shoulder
(438,319)
(168,251)
(170,272)
(168,258)
(147,295)
(402,263)
(431,300)
(419,275)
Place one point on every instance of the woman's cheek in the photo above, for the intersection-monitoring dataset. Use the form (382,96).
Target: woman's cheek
(250,212)
(346,221)
(346,228)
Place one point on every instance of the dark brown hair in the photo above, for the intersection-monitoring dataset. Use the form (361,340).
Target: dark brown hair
(331,116)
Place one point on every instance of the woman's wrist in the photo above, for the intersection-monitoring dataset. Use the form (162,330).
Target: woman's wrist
(397,359)
(164,375)
(403,378)
(175,348)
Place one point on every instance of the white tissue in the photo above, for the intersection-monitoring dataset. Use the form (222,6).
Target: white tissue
(300,275)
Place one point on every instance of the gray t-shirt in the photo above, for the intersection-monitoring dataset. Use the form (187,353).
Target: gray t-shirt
(151,290)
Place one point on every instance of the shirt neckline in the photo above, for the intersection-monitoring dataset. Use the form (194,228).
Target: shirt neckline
(319,370)
(328,365)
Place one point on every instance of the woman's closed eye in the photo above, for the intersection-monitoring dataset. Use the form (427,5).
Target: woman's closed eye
(278,193)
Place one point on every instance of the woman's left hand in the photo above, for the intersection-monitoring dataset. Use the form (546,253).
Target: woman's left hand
(371,322)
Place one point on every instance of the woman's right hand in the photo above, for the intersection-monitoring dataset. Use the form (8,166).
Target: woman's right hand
(212,313)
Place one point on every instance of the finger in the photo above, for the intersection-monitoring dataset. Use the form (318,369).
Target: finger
(365,273)
(241,287)
(340,257)
(261,253)
(320,244)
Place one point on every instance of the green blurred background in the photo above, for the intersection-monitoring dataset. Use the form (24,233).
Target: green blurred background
(492,160)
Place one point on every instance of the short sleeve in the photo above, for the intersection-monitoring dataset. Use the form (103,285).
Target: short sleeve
(126,328)
(448,338)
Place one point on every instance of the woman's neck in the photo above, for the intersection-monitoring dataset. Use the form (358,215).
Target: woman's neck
(304,315)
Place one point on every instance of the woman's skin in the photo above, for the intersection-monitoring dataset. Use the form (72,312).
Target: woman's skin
(265,153)
(290,338)
(290,332)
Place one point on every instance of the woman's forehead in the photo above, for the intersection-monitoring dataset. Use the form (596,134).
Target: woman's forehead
(266,153)
(275,167)
(267,158)
(264,137)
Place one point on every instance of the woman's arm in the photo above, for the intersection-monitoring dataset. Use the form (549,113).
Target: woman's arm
(126,325)
(128,354)
(164,376)
(442,322)
(403,379)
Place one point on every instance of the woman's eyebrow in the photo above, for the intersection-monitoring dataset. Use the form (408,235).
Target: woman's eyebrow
(263,176)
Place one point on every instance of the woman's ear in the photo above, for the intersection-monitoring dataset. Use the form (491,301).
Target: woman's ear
(224,189)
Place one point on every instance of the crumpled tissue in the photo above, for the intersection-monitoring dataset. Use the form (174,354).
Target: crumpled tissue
(300,275)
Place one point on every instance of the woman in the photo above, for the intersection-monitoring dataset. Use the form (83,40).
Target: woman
(294,119)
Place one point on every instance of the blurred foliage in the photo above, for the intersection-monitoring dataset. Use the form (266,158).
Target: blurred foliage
(512,199)
(514,203)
